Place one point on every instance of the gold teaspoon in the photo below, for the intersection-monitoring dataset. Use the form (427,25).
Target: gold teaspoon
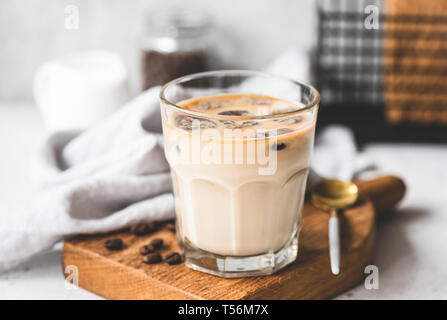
(331,195)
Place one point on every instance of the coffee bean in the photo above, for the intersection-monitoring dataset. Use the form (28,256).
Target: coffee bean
(279,146)
(234,113)
(152,258)
(173,258)
(142,229)
(170,227)
(187,122)
(144,250)
(114,244)
(157,243)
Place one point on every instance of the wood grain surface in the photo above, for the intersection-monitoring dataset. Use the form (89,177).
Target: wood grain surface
(123,275)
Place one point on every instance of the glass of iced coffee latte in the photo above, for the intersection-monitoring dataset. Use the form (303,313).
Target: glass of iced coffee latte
(239,145)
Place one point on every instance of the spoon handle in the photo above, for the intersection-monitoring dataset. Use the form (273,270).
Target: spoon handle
(334,242)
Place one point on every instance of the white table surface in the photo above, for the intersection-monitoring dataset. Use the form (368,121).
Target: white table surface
(411,248)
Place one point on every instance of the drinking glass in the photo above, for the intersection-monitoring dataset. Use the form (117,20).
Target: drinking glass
(238,181)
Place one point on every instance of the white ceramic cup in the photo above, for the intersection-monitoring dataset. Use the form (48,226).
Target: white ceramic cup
(78,90)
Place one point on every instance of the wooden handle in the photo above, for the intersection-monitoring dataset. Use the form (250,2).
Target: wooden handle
(384,192)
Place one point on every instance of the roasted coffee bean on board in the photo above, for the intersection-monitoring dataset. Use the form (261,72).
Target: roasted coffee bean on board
(144,250)
(114,244)
(173,258)
(152,258)
(157,243)
(141,229)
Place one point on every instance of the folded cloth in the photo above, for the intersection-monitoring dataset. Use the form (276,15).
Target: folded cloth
(115,175)
(106,178)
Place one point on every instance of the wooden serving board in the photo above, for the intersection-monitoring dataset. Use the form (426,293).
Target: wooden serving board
(123,275)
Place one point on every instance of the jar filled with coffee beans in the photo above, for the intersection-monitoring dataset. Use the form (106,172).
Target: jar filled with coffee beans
(177,43)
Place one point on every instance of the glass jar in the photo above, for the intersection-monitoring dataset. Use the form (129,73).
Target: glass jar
(176,44)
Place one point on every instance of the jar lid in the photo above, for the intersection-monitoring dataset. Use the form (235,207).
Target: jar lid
(178,22)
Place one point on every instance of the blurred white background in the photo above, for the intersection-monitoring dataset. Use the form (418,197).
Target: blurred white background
(32,32)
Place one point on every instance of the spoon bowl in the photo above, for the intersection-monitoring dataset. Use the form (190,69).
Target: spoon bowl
(334,194)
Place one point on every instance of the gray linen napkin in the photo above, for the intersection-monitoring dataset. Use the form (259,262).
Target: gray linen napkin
(106,178)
